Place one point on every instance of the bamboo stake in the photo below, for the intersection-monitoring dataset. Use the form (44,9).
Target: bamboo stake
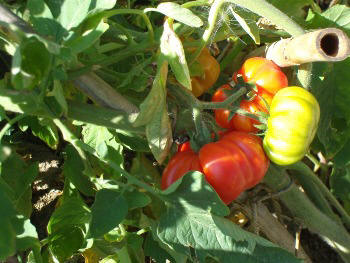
(329,44)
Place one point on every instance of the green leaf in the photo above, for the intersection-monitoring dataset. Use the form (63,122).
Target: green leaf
(153,114)
(73,12)
(293,8)
(108,210)
(7,237)
(44,130)
(73,168)
(193,221)
(336,16)
(73,212)
(43,21)
(137,74)
(133,142)
(84,40)
(242,17)
(155,251)
(66,242)
(159,134)
(29,64)
(178,13)
(104,142)
(331,88)
(136,199)
(172,50)
(340,182)
(58,94)
(155,99)
(19,176)
(68,227)
(26,235)
(144,169)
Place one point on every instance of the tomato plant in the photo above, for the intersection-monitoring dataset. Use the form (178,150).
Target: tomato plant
(94,93)
(268,79)
(231,165)
(292,125)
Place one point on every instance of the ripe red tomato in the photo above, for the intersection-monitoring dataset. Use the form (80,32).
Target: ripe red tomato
(231,165)
(268,79)
(178,166)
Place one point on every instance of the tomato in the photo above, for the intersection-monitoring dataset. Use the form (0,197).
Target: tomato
(268,79)
(211,71)
(291,126)
(181,163)
(231,165)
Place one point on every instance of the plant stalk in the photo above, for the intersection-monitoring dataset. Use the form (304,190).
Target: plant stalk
(303,209)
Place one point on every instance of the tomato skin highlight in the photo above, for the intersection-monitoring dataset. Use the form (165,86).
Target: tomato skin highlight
(268,79)
(211,71)
(292,125)
(231,165)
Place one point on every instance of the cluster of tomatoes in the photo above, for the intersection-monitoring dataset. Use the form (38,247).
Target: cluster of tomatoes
(240,159)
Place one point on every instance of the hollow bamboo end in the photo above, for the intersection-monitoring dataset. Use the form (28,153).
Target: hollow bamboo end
(329,44)
(333,44)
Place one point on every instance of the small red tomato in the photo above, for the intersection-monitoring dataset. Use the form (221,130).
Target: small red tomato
(268,79)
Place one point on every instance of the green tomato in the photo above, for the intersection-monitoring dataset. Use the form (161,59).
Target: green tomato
(291,126)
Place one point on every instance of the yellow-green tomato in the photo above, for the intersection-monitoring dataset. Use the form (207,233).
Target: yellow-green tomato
(291,126)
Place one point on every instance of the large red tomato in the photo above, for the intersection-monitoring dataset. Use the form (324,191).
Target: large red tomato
(268,79)
(231,165)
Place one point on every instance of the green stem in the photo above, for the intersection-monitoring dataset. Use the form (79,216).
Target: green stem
(78,145)
(115,58)
(306,171)
(135,12)
(237,48)
(195,3)
(314,160)
(213,14)
(9,124)
(302,208)
(224,104)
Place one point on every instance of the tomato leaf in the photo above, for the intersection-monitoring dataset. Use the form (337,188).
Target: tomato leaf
(155,251)
(73,12)
(336,16)
(242,17)
(193,220)
(29,64)
(155,99)
(108,210)
(44,130)
(178,13)
(79,42)
(171,48)
(159,134)
(19,176)
(73,168)
(67,227)
(332,93)
(340,182)
(136,199)
(43,21)
(105,143)
(293,8)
